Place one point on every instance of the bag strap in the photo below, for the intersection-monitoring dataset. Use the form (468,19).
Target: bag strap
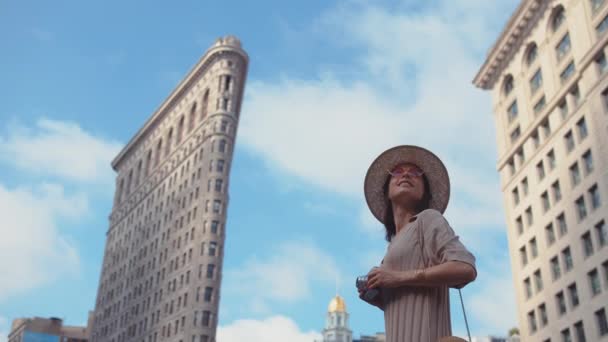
(421,242)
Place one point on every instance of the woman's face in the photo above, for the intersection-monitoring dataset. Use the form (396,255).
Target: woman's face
(406,185)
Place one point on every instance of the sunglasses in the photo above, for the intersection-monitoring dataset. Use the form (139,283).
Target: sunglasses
(402,170)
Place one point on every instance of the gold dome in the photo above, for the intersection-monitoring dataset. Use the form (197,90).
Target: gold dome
(337,305)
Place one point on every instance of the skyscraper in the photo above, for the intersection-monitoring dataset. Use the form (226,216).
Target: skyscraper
(162,264)
(547,76)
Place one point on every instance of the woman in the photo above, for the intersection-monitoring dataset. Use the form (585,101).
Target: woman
(407,189)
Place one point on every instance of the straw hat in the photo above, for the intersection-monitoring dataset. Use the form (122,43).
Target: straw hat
(429,163)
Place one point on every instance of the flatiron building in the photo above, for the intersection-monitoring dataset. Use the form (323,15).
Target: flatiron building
(162,264)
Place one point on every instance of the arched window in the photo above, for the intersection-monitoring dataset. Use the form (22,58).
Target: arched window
(180,130)
(508,85)
(192,117)
(205,104)
(138,174)
(168,144)
(558,18)
(148,162)
(129,179)
(159,149)
(531,54)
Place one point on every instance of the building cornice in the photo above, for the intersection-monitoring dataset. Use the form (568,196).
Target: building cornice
(223,45)
(508,43)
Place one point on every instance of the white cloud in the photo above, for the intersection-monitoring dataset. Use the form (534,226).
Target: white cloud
(60,149)
(33,250)
(410,84)
(271,329)
(285,276)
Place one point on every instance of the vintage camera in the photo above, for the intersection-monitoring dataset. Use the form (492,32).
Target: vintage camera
(368,294)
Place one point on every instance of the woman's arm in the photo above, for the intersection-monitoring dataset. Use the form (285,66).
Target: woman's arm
(451,273)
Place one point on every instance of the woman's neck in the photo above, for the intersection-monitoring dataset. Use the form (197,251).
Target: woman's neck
(402,216)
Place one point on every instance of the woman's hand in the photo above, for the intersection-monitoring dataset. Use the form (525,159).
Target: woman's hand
(375,302)
(381,277)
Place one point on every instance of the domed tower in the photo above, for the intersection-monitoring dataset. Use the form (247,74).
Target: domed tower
(336,326)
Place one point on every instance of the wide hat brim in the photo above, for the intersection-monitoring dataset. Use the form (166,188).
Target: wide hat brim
(433,168)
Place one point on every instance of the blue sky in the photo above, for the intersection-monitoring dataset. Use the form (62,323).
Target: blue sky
(330,86)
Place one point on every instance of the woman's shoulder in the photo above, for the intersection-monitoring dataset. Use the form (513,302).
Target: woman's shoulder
(430,214)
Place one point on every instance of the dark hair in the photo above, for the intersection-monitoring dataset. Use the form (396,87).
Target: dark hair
(389,218)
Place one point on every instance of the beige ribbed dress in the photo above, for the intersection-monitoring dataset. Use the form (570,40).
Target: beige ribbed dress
(421,314)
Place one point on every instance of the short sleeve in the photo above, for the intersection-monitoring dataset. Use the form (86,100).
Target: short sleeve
(444,244)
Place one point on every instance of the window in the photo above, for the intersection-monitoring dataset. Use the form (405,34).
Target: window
(538,281)
(581,125)
(222,147)
(567,257)
(587,244)
(524,186)
(561,303)
(600,61)
(208,294)
(214,226)
(550,233)
(540,104)
(576,94)
(594,282)
(567,73)
(521,156)
(556,191)
(218,185)
(224,103)
(602,26)
(545,128)
(533,248)
(206,318)
(519,224)
(528,287)
(542,310)
(523,255)
(563,108)
(540,170)
(569,141)
(588,162)
(511,165)
(558,19)
(220,165)
(573,293)
(212,248)
(580,331)
(551,159)
(512,111)
(595,197)
(602,233)
(515,134)
(561,223)
(566,335)
(210,270)
(555,269)
(596,4)
(536,81)
(602,323)
(533,53)
(228,82)
(508,85)
(532,321)
(581,208)
(545,200)
(535,139)
(217,204)
(575,174)
(563,47)
(224,126)
(515,193)
(529,216)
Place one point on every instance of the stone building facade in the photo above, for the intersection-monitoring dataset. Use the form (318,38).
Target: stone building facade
(547,74)
(162,265)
